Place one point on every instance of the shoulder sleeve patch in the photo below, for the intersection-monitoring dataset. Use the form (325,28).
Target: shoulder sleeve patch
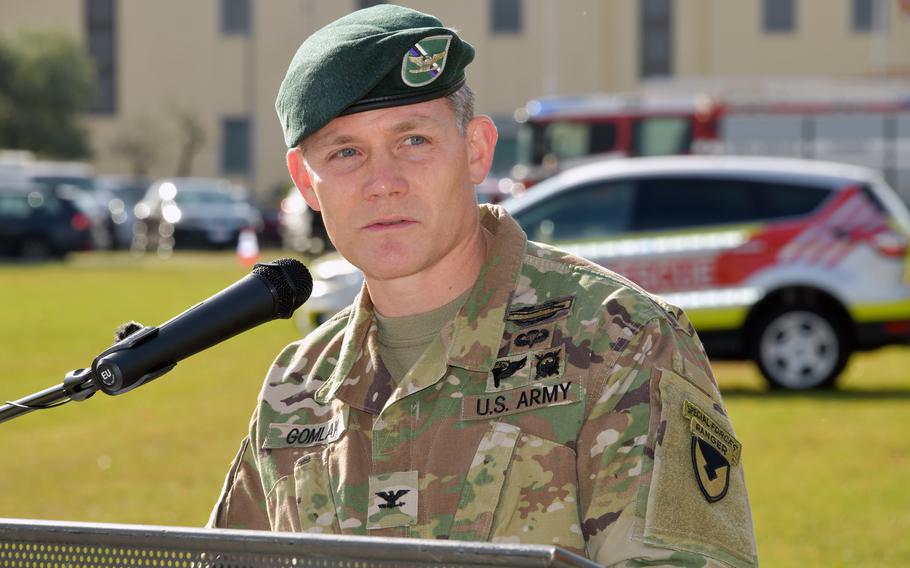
(697,500)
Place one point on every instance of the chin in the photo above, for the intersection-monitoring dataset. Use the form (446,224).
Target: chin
(388,267)
(388,272)
(387,263)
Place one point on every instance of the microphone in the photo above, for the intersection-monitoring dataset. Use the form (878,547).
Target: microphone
(273,290)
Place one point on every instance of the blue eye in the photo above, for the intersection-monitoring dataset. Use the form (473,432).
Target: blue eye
(415,140)
(346,153)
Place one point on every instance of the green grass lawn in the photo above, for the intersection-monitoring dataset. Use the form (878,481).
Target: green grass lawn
(828,473)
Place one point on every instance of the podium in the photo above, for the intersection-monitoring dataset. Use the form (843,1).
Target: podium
(46,544)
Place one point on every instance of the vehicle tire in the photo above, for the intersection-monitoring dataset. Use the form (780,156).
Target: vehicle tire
(33,250)
(800,347)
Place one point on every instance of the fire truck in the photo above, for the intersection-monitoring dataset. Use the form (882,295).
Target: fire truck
(861,122)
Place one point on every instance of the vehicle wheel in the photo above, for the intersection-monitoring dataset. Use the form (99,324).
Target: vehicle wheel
(800,348)
(35,250)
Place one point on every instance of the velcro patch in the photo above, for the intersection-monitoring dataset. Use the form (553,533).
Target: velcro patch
(522,370)
(532,337)
(517,400)
(283,435)
(506,372)
(707,429)
(393,500)
(545,312)
(547,364)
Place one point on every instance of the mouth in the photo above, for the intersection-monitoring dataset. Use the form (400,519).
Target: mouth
(391,223)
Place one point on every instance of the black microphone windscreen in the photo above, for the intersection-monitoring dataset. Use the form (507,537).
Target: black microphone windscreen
(291,281)
(126,329)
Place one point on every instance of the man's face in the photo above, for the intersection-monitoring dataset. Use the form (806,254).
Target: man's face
(395,185)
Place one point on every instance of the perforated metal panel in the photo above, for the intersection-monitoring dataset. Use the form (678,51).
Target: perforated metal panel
(29,555)
(34,544)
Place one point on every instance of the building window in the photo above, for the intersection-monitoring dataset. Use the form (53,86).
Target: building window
(361,4)
(235,152)
(656,38)
(235,17)
(505,16)
(100,26)
(869,16)
(779,16)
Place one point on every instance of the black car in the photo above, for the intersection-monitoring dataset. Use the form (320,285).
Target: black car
(38,223)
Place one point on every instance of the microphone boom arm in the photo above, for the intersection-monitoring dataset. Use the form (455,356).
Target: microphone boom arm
(272,290)
(78,385)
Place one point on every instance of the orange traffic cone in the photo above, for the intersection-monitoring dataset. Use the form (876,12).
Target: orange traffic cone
(247,247)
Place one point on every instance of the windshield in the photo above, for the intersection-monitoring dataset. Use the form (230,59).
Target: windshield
(542,142)
(87,184)
(561,140)
(204,198)
(662,136)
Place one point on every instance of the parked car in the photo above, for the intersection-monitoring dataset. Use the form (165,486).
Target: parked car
(38,223)
(125,192)
(78,178)
(791,263)
(301,228)
(494,189)
(192,213)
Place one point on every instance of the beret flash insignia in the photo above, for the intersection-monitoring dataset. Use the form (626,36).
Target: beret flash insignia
(425,61)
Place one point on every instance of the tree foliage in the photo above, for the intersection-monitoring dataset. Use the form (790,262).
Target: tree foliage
(46,80)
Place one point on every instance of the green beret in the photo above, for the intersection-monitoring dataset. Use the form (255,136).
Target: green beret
(377,57)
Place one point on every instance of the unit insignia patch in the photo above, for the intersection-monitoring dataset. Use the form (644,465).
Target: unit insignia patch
(714,452)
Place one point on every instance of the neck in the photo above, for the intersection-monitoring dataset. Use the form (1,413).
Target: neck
(433,287)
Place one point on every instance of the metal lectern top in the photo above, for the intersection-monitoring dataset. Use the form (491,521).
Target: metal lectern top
(33,544)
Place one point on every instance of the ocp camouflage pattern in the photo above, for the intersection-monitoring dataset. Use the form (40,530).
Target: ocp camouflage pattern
(579,440)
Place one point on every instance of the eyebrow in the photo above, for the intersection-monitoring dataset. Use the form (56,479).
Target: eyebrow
(412,123)
(339,140)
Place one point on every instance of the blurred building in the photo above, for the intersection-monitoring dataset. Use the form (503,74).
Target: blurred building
(188,87)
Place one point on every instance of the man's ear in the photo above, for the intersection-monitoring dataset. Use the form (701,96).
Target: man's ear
(301,177)
(481,136)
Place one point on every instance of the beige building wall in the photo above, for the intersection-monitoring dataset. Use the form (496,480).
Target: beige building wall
(175,67)
(823,43)
(41,14)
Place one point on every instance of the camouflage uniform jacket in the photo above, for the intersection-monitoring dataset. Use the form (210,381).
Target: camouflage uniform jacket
(563,405)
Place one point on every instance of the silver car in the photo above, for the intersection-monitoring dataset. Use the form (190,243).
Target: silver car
(192,213)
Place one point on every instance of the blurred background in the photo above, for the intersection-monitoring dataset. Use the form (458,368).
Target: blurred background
(142,169)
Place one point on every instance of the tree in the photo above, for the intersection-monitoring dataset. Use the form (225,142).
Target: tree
(192,134)
(46,80)
(138,143)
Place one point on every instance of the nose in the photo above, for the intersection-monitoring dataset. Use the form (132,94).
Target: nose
(384,177)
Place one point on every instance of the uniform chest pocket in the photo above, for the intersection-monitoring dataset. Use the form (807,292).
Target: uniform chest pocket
(315,498)
(304,501)
(520,488)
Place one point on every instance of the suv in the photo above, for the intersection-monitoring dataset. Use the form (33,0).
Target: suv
(792,263)
(37,223)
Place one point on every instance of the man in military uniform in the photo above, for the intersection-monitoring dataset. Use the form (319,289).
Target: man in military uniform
(481,387)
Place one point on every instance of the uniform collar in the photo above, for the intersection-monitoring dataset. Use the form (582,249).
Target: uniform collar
(477,330)
(470,341)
